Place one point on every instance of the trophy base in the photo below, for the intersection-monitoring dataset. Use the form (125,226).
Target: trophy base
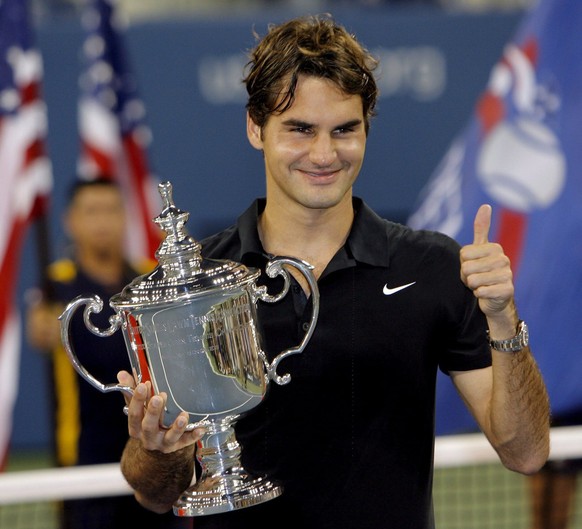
(224,494)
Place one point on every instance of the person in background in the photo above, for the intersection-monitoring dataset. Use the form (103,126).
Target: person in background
(90,427)
(351,437)
(553,488)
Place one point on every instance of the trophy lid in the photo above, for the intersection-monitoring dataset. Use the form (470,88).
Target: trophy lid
(182,273)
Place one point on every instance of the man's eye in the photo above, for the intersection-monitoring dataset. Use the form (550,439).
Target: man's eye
(344,130)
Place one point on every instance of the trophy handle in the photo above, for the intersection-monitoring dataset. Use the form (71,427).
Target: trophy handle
(93,304)
(274,268)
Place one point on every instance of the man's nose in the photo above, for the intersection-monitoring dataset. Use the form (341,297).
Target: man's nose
(323,150)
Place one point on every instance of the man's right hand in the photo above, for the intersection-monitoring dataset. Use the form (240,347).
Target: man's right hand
(145,411)
(43,331)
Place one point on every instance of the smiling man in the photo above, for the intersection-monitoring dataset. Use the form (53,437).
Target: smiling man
(351,438)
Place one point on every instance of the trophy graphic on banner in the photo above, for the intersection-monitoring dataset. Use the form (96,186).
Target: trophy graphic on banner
(191,327)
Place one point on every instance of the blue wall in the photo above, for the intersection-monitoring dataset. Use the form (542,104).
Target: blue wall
(434,67)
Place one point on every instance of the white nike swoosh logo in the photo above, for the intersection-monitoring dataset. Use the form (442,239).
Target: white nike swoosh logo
(389,291)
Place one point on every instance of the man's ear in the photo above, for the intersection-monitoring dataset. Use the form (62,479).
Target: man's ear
(254,134)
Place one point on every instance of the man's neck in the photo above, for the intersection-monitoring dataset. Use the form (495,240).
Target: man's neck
(105,268)
(311,235)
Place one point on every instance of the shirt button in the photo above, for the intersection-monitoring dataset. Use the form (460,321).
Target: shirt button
(305,326)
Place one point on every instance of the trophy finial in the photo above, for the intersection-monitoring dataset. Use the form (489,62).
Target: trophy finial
(172,220)
(165,189)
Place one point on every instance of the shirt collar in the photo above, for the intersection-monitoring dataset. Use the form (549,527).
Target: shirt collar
(248,229)
(366,243)
(368,239)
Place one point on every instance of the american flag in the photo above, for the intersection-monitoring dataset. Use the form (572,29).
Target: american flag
(25,180)
(114,136)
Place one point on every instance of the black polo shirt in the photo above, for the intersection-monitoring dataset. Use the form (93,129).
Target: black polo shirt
(351,436)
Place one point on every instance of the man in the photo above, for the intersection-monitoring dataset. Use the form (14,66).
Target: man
(351,437)
(553,489)
(90,428)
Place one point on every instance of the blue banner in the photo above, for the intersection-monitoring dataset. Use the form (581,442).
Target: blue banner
(522,153)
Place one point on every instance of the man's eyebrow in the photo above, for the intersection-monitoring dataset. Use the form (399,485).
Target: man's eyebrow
(297,123)
(305,125)
(350,124)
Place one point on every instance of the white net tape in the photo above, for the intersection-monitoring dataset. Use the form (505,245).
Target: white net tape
(474,449)
(107,480)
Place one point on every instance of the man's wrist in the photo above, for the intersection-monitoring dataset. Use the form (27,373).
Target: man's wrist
(515,343)
(502,325)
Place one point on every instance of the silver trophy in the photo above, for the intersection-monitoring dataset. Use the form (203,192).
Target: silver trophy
(191,327)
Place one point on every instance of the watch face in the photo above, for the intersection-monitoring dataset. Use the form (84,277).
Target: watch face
(524,334)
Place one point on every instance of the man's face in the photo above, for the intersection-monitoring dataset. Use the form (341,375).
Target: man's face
(314,150)
(96,220)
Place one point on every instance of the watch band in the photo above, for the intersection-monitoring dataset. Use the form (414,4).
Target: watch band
(515,344)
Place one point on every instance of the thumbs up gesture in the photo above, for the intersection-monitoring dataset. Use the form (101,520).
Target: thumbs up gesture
(485,268)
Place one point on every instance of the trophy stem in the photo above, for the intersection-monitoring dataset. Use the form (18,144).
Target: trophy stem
(218,452)
(224,485)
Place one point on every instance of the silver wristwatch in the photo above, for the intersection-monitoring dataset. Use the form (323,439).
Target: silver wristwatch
(512,345)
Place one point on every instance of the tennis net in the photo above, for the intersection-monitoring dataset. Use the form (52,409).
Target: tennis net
(472,490)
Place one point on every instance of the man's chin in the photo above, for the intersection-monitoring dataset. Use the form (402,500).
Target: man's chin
(107,253)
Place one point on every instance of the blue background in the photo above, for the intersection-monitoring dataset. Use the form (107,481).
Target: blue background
(188,73)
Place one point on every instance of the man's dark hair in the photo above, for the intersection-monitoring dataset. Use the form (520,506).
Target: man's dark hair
(79,184)
(314,46)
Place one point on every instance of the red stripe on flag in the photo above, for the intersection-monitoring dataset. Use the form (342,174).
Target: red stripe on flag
(34,151)
(29,93)
(511,235)
(490,110)
(139,182)
(531,50)
(102,160)
(8,270)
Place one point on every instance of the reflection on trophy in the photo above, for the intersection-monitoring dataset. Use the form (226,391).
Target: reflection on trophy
(190,327)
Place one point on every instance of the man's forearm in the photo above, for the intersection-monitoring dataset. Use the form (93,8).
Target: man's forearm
(520,414)
(157,478)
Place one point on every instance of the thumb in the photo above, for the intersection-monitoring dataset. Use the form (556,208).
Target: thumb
(482,224)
